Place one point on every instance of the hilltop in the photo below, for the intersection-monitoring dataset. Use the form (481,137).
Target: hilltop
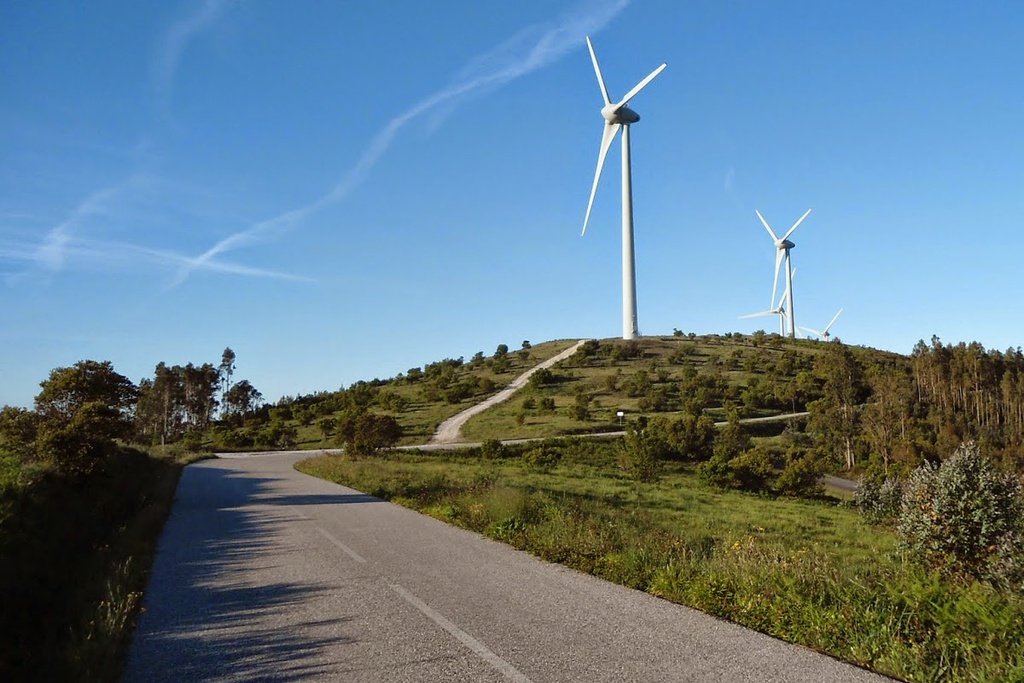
(755,375)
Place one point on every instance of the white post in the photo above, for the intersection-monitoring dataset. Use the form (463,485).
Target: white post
(629,322)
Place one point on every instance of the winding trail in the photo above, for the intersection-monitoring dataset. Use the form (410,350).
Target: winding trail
(449,431)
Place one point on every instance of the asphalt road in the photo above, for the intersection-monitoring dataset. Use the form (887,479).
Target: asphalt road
(265,574)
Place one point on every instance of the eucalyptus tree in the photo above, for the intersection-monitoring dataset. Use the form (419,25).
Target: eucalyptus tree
(834,417)
(225,370)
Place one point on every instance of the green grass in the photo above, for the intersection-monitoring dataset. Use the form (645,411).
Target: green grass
(810,572)
(664,359)
(420,418)
(74,558)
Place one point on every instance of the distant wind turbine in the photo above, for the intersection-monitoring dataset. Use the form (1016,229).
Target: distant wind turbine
(824,333)
(779,310)
(617,115)
(783,247)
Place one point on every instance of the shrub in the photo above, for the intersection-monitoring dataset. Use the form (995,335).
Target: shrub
(751,470)
(492,449)
(542,457)
(641,453)
(801,476)
(368,434)
(965,519)
(716,472)
(879,499)
(541,377)
(690,437)
(276,434)
(580,410)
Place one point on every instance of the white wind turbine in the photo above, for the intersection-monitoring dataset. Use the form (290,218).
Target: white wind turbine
(779,310)
(783,246)
(617,115)
(824,333)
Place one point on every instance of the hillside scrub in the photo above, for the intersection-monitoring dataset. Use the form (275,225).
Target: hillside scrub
(807,572)
(961,518)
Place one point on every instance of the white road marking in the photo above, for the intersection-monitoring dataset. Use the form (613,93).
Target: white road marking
(344,548)
(506,669)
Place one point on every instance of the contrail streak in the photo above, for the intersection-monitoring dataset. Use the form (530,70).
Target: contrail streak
(529,50)
(173,45)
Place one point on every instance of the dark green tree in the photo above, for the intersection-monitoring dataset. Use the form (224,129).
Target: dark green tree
(834,417)
(82,410)
(367,434)
(243,398)
(225,370)
(689,437)
(18,429)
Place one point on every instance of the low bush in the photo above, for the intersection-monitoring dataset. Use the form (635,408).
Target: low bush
(880,499)
(965,519)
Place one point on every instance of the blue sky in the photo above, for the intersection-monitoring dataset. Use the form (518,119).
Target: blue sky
(341,191)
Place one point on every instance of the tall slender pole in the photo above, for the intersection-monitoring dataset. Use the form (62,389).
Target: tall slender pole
(629,324)
(789,297)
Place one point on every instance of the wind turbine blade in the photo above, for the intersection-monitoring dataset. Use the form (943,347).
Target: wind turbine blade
(786,236)
(779,255)
(758,315)
(639,86)
(610,129)
(836,317)
(775,238)
(808,329)
(597,70)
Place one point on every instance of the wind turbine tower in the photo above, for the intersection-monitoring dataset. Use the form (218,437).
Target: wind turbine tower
(617,115)
(783,247)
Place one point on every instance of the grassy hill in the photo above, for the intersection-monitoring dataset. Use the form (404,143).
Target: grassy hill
(757,375)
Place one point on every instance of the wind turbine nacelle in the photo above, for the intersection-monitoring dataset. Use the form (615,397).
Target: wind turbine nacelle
(622,116)
(784,244)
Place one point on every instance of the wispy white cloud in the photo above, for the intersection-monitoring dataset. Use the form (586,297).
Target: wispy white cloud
(529,50)
(50,253)
(72,244)
(174,43)
(80,253)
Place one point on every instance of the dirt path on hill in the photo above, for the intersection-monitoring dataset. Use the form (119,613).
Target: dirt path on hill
(449,431)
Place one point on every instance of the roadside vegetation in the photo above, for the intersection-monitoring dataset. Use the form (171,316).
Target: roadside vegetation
(79,517)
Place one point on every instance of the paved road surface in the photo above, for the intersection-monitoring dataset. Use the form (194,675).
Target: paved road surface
(265,574)
(449,430)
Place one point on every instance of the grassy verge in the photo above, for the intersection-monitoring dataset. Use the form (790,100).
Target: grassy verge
(809,572)
(75,554)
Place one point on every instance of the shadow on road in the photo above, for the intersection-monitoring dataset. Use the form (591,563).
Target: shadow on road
(207,615)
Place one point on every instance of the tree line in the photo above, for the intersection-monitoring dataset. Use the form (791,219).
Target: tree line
(84,410)
(894,413)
